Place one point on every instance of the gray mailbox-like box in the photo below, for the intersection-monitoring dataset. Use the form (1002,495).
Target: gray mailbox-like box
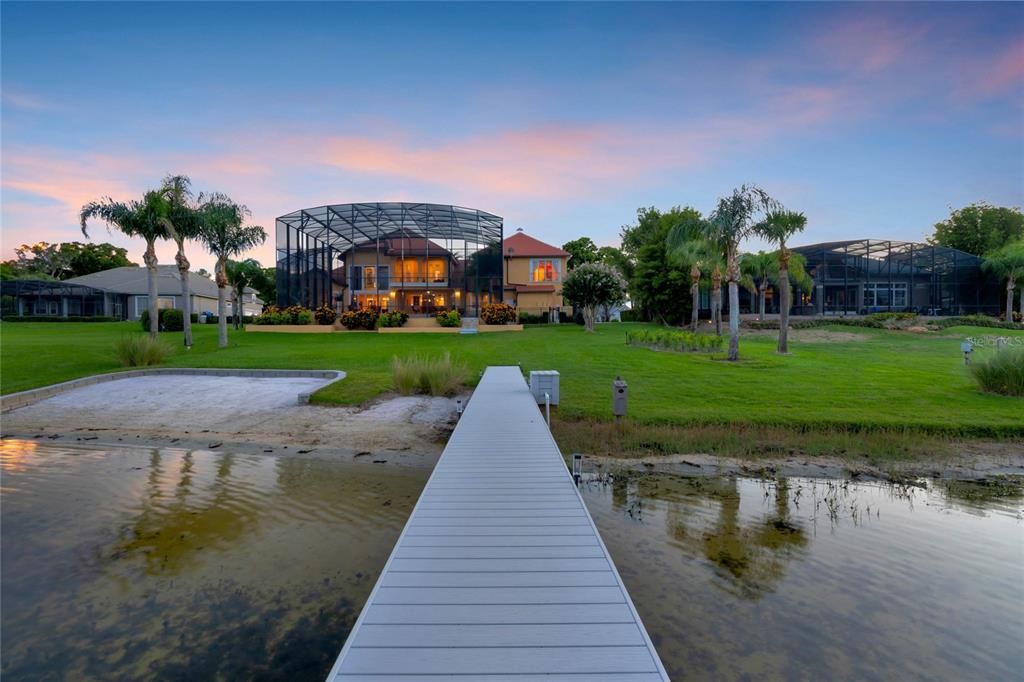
(544,381)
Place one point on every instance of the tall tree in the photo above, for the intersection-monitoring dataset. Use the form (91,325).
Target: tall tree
(778,227)
(266,285)
(979,228)
(183,215)
(686,246)
(225,236)
(582,250)
(658,283)
(147,219)
(732,221)
(592,285)
(758,269)
(67,259)
(1008,263)
(241,274)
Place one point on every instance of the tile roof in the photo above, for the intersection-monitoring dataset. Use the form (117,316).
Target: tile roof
(522,244)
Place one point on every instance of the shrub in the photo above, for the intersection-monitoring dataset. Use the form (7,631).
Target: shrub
(139,350)
(172,320)
(629,315)
(431,376)
(271,314)
(668,339)
(527,318)
(395,319)
(359,319)
(974,321)
(325,315)
(161,317)
(1002,373)
(449,319)
(498,313)
(884,317)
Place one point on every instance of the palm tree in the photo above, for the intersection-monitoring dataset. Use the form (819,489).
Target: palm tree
(732,221)
(241,274)
(222,230)
(758,269)
(146,219)
(177,191)
(686,245)
(1008,263)
(778,227)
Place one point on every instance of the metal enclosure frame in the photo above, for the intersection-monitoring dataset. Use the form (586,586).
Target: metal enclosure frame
(881,275)
(315,245)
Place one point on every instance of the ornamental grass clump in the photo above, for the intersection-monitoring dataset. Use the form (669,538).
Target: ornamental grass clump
(138,350)
(430,376)
(1002,373)
(679,341)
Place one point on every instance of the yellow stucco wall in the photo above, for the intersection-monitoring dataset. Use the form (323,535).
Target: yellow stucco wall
(518,272)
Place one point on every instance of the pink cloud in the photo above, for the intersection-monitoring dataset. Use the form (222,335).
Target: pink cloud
(507,171)
(867,45)
(1004,73)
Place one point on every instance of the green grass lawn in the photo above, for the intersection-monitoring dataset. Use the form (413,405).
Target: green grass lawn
(884,379)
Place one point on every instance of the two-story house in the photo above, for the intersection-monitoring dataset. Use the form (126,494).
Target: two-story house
(412,274)
(533,274)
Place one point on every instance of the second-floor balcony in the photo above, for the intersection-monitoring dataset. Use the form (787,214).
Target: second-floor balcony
(384,281)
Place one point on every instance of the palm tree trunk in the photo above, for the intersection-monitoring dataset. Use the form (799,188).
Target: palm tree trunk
(716,299)
(695,301)
(694,296)
(732,273)
(1022,307)
(186,293)
(222,305)
(761,296)
(783,307)
(734,320)
(236,309)
(1010,284)
(149,258)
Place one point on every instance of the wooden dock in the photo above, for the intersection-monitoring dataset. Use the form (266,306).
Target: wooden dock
(500,573)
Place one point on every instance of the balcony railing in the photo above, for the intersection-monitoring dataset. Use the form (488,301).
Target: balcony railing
(392,282)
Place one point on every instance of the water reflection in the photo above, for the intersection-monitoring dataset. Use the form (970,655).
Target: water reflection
(819,579)
(173,564)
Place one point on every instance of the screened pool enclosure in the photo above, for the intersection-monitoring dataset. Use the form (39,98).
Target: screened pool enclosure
(868,276)
(415,258)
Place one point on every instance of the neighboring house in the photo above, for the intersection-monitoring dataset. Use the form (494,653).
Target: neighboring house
(533,274)
(118,292)
(880,275)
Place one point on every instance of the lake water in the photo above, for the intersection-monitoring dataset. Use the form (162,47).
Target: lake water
(131,563)
(806,579)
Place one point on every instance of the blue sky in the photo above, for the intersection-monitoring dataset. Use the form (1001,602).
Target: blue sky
(563,118)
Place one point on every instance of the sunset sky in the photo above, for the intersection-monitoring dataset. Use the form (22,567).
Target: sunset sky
(562,118)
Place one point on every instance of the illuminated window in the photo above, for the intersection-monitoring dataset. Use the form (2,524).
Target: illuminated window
(544,270)
(436,269)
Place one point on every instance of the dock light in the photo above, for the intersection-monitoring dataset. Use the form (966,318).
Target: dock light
(620,393)
(577,468)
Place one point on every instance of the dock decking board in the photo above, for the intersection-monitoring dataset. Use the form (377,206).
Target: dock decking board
(500,573)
